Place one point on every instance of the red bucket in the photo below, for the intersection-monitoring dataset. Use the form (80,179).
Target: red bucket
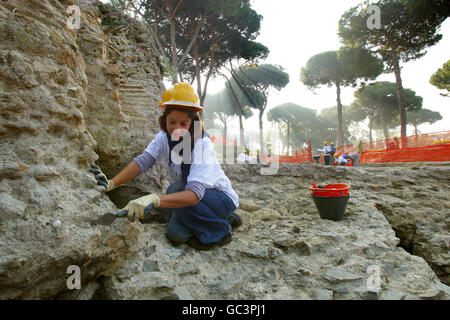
(331,190)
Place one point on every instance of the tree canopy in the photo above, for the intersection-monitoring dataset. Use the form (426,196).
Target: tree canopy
(255,82)
(200,36)
(292,115)
(441,79)
(340,68)
(379,100)
(422,116)
(407,28)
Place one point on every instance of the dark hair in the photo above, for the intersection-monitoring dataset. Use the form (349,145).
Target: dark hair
(193,115)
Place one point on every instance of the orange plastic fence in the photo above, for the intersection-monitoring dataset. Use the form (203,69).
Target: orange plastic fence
(350,148)
(300,155)
(423,154)
(429,147)
(223,141)
(416,141)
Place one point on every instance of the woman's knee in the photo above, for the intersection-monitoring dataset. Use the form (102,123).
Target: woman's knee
(176,231)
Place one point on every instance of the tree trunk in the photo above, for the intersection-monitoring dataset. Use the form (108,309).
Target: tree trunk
(288,144)
(239,110)
(416,132)
(242,143)
(205,87)
(384,126)
(174,51)
(224,141)
(261,138)
(370,130)
(339,115)
(401,99)
(197,70)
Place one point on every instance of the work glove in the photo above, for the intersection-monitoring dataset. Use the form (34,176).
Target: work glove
(139,207)
(101,178)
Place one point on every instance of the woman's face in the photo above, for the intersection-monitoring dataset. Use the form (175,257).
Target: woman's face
(177,123)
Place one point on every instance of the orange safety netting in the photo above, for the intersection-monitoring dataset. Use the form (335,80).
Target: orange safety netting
(429,147)
(223,141)
(423,154)
(350,148)
(416,141)
(300,155)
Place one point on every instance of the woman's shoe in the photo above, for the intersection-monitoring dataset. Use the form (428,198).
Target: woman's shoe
(235,221)
(196,244)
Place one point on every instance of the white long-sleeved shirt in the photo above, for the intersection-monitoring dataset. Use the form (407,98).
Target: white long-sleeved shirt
(205,171)
(326,150)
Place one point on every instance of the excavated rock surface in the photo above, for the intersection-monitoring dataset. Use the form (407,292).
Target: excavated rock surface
(61,111)
(414,200)
(284,250)
(69,98)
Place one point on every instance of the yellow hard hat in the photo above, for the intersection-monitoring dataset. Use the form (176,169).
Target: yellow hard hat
(332,144)
(324,142)
(181,95)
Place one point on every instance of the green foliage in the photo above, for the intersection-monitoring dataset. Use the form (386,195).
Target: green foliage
(340,68)
(343,67)
(22,39)
(165,67)
(422,116)
(406,30)
(323,69)
(326,125)
(222,106)
(296,119)
(429,8)
(256,80)
(379,101)
(359,64)
(441,79)
(291,113)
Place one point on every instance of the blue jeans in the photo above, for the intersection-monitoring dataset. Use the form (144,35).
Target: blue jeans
(207,221)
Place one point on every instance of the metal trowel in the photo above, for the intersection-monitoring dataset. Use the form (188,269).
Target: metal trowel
(108,218)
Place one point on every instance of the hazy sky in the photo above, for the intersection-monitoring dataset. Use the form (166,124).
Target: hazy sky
(295,30)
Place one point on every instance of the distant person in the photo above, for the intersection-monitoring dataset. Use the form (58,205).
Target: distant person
(252,158)
(243,157)
(326,153)
(341,160)
(354,158)
(332,152)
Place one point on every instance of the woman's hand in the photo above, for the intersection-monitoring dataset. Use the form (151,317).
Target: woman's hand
(139,207)
(101,178)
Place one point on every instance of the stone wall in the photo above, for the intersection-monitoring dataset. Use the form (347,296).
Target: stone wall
(61,110)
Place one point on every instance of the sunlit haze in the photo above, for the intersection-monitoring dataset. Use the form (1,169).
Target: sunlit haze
(294,31)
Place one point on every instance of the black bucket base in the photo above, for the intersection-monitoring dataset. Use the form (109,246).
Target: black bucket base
(331,208)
